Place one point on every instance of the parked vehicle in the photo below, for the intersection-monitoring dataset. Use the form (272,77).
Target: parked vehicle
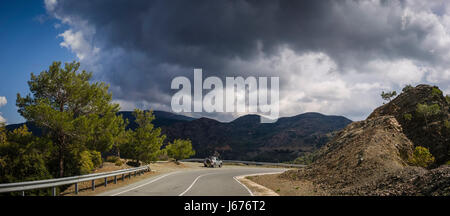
(212,162)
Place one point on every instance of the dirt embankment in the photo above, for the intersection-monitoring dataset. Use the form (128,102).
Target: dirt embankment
(285,187)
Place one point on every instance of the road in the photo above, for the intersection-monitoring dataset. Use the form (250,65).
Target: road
(200,182)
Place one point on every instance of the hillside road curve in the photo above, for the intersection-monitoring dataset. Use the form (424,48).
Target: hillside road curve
(200,182)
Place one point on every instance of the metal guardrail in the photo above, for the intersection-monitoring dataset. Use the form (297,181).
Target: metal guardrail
(53,183)
(249,162)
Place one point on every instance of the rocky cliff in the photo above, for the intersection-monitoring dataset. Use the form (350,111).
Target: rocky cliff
(433,132)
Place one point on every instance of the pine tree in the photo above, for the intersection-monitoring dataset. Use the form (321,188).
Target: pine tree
(387,96)
(144,143)
(180,149)
(427,111)
(69,108)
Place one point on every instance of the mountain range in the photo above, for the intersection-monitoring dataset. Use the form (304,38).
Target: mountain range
(244,138)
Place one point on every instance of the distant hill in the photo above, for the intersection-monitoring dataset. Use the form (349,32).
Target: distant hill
(161,119)
(245,138)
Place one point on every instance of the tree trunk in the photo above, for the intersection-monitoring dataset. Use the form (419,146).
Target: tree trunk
(61,162)
(62,148)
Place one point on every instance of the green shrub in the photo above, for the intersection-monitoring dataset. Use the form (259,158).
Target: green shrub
(163,156)
(134,163)
(305,159)
(447,124)
(112,159)
(407,117)
(23,157)
(436,92)
(447,97)
(86,164)
(421,157)
(96,158)
(180,149)
(426,111)
(118,162)
(407,88)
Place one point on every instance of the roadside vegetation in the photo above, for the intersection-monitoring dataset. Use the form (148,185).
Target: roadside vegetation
(80,129)
(421,157)
(306,158)
(180,149)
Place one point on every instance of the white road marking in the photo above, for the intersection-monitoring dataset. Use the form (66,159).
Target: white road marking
(196,179)
(255,174)
(243,185)
(145,183)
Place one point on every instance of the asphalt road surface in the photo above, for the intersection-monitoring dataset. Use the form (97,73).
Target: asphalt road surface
(201,182)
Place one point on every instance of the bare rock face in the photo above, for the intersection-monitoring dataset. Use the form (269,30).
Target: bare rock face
(433,135)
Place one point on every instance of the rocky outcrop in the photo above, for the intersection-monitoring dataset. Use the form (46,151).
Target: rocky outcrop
(370,157)
(363,151)
(432,134)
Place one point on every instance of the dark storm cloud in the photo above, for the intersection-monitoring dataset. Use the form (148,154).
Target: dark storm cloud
(144,44)
(187,32)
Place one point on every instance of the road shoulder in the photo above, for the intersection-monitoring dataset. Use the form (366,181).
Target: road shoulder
(281,186)
(254,188)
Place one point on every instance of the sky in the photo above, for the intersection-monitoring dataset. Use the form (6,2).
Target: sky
(332,57)
(29,42)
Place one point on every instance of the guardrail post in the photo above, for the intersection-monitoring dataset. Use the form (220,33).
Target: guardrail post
(123,177)
(76,188)
(93,185)
(106,181)
(23,193)
(115,179)
(54,191)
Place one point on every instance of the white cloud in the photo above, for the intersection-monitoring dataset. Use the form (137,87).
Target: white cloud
(3,102)
(400,72)
(313,82)
(50,4)
(411,45)
(76,42)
